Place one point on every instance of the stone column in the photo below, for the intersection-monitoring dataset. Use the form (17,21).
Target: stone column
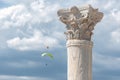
(80,22)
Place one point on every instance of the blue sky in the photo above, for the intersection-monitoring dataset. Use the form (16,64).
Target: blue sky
(27,27)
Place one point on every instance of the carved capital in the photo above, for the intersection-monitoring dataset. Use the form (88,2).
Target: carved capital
(80,21)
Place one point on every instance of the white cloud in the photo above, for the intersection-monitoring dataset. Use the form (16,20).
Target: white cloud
(114,42)
(106,62)
(14,16)
(109,4)
(115,36)
(59,35)
(116,14)
(35,42)
(43,12)
(17,2)
(23,64)
(10,77)
(22,19)
(25,15)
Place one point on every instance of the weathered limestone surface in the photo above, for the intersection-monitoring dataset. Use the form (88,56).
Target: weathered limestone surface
(79,59)
(80,22)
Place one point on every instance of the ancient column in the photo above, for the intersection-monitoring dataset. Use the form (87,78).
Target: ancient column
(80,22)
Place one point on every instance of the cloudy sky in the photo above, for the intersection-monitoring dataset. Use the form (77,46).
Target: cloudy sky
(27,27)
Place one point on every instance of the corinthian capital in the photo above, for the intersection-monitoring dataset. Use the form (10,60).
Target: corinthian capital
(80,21)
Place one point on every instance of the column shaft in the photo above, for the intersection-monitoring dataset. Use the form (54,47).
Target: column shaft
(79,59)
(80,23)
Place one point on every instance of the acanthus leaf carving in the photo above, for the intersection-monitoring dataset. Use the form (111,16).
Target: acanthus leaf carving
(80,22)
